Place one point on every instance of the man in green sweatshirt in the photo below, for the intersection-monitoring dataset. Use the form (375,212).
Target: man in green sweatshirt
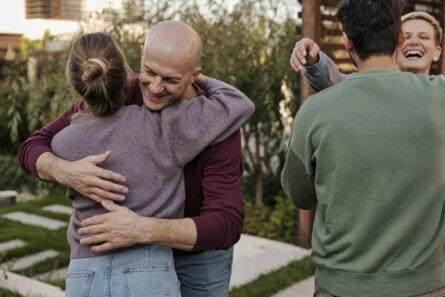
(370,154)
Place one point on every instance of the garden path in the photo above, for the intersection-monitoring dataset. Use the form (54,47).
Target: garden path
(253,256)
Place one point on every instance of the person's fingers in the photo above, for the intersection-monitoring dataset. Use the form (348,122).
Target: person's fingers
(300,52)
(108,174)
(105,195)
(295,63)
(92,229)
(315,50)
(110,206)
(92,196)
(108,186)
(103,247)
(97,159)
(303,46)
(96,220)
(99,238)
(296,60)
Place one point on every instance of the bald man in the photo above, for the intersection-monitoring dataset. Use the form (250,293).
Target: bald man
(214,209)
(170,63)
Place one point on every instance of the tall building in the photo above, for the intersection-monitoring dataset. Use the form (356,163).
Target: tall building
(55,9)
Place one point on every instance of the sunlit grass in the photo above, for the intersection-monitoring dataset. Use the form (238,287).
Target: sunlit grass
(37,239)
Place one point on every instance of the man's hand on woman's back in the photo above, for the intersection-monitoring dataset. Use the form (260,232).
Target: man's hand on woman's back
(84,176)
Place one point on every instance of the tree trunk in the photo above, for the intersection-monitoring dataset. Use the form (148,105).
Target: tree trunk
(259,188)
(255,159)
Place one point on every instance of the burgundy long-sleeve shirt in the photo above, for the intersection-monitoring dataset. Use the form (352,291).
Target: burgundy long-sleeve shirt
(213,180)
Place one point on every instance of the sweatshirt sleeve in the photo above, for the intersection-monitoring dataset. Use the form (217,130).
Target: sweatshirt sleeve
(297,183)
(192,125)
(323,74)
(298,175)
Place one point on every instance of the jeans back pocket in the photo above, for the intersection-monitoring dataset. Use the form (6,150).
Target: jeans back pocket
(78,283)
(149,281)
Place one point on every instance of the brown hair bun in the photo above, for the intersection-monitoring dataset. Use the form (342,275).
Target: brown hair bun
(94,69)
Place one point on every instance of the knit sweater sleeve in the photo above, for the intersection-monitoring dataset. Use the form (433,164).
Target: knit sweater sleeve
(323,74)
(40,141)
(192,125)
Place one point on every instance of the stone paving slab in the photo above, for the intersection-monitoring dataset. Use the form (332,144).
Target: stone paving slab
(7,198)
(28,261)
(54,275)
(58,208)
(254,256)
(7,194)
(305,288)
(35,220)
(12,244)
(27,286)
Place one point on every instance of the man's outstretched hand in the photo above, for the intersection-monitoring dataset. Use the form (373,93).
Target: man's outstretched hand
(305,53)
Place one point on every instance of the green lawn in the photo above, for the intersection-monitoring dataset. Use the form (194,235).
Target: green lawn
(6,293)
(37,239)
(269,284)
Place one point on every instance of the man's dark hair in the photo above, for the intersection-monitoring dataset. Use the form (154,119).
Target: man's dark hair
(372,25)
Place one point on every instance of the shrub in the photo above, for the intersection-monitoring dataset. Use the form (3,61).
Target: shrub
(276,222)
(14,177)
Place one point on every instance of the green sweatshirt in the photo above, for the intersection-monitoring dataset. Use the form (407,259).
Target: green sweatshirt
(370,154)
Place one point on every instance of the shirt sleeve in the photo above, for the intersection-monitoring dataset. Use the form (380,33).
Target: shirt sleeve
(323,74)
(298,175)
(40,141)
(297,183)
(192,125)
(220,222)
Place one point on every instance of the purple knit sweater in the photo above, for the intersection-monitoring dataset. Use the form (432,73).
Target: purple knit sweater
(150,149)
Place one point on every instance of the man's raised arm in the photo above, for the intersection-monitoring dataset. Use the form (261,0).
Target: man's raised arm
(318,69)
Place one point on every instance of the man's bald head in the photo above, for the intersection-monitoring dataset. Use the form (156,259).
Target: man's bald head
(169,64)
(176,40)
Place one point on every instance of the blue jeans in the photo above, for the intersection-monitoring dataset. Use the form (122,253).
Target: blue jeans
(205,274)
(143,271)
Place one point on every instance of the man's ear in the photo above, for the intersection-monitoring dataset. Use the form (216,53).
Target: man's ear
(142,51)
(196,74)
(349,46)
(401,39)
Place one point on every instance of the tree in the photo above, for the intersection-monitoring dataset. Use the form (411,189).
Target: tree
(250,49)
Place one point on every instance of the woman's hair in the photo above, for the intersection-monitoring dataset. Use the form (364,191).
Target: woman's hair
(98,72)
(420,15)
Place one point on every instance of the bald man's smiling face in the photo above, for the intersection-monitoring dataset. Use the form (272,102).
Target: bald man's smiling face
(164,78)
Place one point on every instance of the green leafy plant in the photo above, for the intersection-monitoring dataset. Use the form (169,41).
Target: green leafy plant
(277,222)
(14,178)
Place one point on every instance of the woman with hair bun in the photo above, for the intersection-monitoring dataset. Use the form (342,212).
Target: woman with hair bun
(150,148)
(97,71)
